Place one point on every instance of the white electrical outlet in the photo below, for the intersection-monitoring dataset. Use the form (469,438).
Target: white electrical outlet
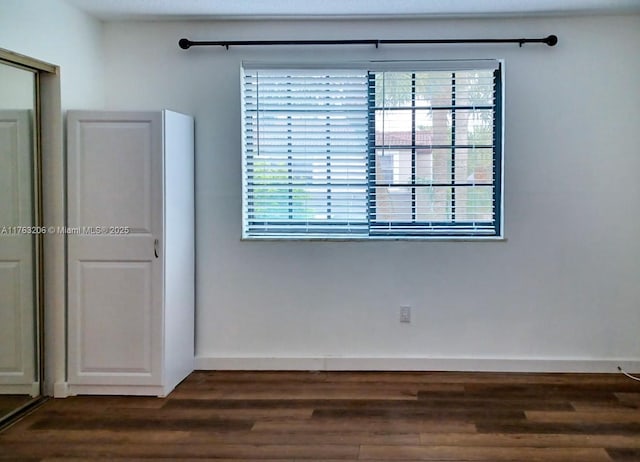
(405,314)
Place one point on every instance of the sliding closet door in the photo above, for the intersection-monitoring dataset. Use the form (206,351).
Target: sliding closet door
(114,240)
(17,301)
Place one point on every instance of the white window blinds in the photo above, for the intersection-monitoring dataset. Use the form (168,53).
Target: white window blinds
(305,152)
(388,150)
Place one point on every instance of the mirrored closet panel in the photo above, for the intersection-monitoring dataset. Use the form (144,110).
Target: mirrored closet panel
(19,239)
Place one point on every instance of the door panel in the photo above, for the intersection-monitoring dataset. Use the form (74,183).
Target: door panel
(17,301)
(10,320)
(117,157)
(115,292)
(124,334)
(10,149)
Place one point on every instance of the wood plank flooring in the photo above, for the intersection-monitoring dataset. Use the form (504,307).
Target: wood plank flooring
(346,416)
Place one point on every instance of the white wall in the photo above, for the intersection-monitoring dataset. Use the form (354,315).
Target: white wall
(561,293)
(53,31)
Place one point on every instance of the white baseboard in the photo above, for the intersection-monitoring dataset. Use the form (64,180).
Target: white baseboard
(417,364)
(30,389)
(35,389)
(120,390)
(61,390)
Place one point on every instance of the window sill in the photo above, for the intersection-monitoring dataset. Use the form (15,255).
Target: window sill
(377,238)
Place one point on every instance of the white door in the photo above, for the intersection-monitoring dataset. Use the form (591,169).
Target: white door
(114,240)
(17,307)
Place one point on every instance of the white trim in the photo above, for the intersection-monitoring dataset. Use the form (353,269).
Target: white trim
(362,238)
(61,390)
(378,65)
(125,390)
(30,389)
(260,364)
(330,363)
(35,389)
(54,245)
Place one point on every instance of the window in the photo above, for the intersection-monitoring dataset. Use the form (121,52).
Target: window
(372,151)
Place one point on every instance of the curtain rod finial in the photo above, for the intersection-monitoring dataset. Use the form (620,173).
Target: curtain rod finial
(184,43)
(551,40)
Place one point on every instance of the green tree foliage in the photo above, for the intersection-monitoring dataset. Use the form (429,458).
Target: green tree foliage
(274,196)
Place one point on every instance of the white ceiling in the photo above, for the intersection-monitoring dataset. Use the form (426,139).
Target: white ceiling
(251,9)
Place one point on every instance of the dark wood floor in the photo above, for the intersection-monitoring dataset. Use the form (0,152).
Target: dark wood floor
(9,403)
(288,416)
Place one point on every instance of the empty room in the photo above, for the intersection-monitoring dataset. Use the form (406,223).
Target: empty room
(343,230)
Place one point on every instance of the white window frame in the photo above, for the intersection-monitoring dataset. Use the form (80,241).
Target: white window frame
(368,234)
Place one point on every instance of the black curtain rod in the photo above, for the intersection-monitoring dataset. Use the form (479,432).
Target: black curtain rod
(185,44)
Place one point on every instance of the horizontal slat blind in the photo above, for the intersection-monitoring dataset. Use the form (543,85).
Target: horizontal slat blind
(433,153)
(305,152)
(393,149)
